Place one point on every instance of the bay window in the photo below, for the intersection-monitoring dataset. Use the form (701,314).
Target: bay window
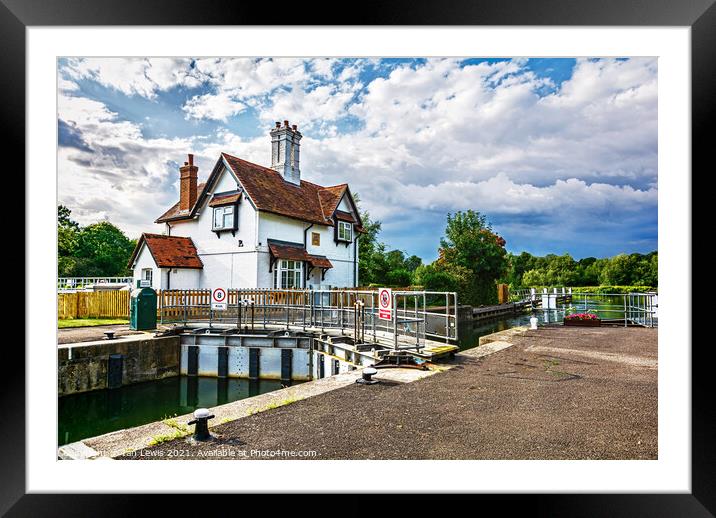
(288,274)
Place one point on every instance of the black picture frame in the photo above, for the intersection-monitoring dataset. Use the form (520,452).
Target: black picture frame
(700,15)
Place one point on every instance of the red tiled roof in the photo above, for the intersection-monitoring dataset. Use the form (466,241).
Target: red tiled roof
(330,197)
(226,199)
(169,251)
(345,216)
(175,213)
(271,193)
(320,261)
(290,251)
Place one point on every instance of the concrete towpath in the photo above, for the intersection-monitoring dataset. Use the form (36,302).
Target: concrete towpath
(554,393)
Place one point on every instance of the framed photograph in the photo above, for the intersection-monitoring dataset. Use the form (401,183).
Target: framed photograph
(420,254)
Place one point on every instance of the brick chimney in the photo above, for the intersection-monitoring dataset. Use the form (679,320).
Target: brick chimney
(187,184)
(285,148)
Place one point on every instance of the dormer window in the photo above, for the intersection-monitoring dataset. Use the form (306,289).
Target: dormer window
(225,215)
(224,218)
(345,231)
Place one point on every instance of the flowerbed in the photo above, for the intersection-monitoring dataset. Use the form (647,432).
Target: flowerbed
(582,319)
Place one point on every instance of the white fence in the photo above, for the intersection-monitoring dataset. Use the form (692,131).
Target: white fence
(78,283)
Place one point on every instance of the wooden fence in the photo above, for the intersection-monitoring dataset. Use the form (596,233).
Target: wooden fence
(93,304)
(178,305)
(183,304)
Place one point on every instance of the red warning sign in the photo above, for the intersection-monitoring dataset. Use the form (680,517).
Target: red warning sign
(385,303)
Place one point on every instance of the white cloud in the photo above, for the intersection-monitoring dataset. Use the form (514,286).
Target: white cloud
(132,75)
(432,137)
(314,92)
(219,106)
(500,195)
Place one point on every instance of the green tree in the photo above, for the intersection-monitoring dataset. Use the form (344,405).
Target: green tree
(103,249)
(619,270)
(470,243)
(442,277)
(411,263)
(68,232)
(376,264)
(370,252)
(533,278)
(517,266)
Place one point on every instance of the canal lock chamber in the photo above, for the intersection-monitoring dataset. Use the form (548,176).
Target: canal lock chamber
(117,384)
(280,354)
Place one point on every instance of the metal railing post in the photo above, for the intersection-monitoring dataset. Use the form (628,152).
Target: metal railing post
(625,310)
(395,322)
(447,316)
(372,314)
(340,310)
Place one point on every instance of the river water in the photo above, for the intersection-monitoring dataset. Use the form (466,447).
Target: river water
(101,411)
(469,332)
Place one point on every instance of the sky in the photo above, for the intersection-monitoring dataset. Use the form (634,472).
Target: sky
(560,154)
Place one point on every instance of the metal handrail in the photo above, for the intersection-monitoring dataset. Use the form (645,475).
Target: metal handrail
(74,282)
(635,308)
(321,309)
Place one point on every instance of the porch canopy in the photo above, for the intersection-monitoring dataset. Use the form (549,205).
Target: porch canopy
(297,252)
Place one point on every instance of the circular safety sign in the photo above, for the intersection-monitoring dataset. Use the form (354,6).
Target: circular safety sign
(219,295)
(384,298)
(385,303)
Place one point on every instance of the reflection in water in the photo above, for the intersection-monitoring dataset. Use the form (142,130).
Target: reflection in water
(102,411)
(606,306)
(469,332)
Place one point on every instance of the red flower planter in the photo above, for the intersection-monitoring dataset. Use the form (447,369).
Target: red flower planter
(595,322)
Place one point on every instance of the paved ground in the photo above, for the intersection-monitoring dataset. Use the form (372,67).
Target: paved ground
(557,393)
(71,335)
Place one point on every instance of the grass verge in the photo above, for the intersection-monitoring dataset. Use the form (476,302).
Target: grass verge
(89,322)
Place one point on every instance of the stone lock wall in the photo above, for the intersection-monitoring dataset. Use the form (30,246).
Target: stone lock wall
(84,367)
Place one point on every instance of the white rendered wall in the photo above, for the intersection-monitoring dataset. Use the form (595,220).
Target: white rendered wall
(273,226)
(181,278)
(226,264)
(145,260)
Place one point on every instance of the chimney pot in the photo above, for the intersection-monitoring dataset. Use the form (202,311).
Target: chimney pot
(285,123)
(295,127)
(191,159)
(278,124)
(186,163)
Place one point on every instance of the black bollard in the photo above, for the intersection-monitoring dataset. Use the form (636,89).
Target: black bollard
(201,420)
(367,376)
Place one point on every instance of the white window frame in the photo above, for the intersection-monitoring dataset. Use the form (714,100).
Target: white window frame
(345,227)
(293,270)
(149,277)
(223,210)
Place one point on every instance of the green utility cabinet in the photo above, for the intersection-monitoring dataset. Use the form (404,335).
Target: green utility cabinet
(143,308)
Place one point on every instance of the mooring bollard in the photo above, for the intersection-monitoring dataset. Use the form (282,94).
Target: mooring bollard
(367,376)
(201,420)
(109,335)
(533,322)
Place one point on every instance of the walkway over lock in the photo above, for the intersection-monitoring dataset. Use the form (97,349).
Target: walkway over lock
(419,318)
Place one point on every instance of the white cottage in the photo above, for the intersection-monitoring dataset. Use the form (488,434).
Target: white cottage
(251,226)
